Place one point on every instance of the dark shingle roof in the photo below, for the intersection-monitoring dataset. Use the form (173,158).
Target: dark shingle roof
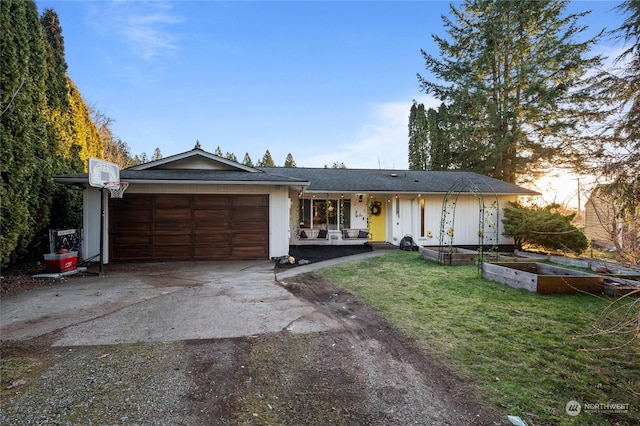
(193,175)
(396,181)
(207,175)
(328,180)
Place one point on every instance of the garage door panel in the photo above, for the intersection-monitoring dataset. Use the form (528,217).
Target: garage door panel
(165,227)
(175,214)
(240,238)
(173,240)
(212,214)
(251,200)
(142,202)
(133,227)
(214,239)
(177,252)
(172,226)
(250,215)
(250,227)
(221,201)
(131,239)
(124,214)
(173,200)
(248,252)
(212,226)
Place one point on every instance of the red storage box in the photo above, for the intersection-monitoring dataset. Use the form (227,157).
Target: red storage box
(61,262)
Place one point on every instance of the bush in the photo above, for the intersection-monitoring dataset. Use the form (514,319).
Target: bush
(544,227)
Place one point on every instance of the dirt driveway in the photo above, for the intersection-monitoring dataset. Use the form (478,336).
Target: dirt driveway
(195,345)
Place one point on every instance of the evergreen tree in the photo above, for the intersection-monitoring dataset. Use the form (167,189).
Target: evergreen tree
(418,138)
(65,129)
(197,145)
(247,160)
(218,152)
(157,155)
(439,145)
(620,166)
(56,79)
(231,156)
(267,160)
(26,167)
(515,79)
(289,162)
(429,138)
(81,128)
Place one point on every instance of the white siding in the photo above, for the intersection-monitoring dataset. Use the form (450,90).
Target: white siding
(91,223)
(279,214)
(465,223)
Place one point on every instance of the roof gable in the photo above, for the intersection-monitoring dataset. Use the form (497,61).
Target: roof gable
(196,159)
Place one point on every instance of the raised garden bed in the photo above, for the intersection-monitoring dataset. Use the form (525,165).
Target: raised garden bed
(449,256)
(542,278)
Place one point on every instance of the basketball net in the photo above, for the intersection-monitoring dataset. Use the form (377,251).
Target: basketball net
(116,188)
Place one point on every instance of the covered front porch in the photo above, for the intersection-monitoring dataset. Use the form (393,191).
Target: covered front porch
(338,219)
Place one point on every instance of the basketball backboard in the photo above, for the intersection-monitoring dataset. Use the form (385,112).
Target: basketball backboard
(101,171)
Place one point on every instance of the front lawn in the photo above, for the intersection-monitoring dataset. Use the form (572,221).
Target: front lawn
(525,354)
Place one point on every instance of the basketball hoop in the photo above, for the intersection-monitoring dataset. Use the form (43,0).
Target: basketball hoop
(116,188)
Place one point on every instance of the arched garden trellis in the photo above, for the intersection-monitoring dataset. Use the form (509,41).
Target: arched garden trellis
(488,217)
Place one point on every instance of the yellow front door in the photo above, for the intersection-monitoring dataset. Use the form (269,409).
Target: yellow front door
(377,210)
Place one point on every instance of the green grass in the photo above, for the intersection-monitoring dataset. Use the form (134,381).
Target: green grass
(525,354)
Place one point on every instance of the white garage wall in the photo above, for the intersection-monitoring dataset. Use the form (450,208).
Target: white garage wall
(91,223)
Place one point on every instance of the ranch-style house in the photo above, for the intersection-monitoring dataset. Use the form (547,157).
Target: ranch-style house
(199,206)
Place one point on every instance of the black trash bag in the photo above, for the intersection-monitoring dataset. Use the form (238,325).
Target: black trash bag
(407,244)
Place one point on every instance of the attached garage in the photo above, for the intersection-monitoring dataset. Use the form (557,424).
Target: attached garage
(169,227)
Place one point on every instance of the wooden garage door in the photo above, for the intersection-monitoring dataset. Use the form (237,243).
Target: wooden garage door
(167,227)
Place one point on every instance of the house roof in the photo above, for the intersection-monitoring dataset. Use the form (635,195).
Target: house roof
(193,176)
(201,167)
(195,166)
(397,181)
(186,159)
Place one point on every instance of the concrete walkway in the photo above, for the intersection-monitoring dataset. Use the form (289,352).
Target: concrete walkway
(287,273)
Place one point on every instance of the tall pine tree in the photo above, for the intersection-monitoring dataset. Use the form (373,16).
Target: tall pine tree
(514,78)
(26,167)
(247,160)
(418,138)
(45,129)
(267,160)
(289,162)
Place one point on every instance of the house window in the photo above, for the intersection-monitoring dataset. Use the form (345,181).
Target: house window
(326,214)
(345,209)
(422,218)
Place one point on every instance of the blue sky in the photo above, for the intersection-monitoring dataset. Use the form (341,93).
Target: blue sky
(323,80)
